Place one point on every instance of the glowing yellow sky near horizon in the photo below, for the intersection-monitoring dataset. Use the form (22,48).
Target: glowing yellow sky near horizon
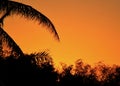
(88,29)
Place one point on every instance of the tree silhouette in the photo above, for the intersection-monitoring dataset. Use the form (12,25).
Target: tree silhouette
(44,70)
(38,69)
(34,70)
(8,7)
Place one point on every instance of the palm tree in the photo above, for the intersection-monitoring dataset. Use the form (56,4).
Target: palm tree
(8,7)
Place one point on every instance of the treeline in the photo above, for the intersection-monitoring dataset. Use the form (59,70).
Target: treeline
(38,69)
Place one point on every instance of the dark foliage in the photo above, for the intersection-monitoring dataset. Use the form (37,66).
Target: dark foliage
(37,69)
(28,70)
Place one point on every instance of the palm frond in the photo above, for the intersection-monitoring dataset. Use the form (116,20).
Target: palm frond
(10,43)
(28,12)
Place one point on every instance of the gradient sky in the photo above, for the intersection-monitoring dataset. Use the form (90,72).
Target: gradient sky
(88,29)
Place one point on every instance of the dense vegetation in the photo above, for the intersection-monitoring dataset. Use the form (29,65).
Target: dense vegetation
(38,69)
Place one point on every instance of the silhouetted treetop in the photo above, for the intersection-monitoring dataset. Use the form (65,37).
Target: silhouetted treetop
(38,69)
(42,59)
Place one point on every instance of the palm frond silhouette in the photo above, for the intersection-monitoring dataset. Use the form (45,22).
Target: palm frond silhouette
(12,7)
(8,8)
(6,40)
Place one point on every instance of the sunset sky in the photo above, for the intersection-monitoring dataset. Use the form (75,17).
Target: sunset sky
(88,29)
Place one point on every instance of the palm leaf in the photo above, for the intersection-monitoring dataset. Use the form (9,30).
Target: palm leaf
(10,43)
(28,12)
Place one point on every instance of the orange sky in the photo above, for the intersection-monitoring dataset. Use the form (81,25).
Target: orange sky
(88,29)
